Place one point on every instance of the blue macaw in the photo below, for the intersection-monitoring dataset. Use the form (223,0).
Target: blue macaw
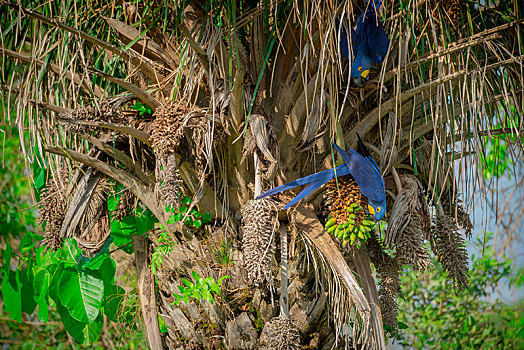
(363,169)
(370,42)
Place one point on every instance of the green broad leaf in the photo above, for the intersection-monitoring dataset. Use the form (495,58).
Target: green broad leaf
(122,231)
(182,209)
(186,200)
(187,283)
(26,243)
(178,217)
(170,208)
(206,218)
(106,266)
(207,296)
(56,274)
(197,223)
(196,276)
(197,215)
(8,253)
(114,303)
(69,252)
(402,325)
(188,221)
(12,293)
(28,293)
(72,326)
(162,324)
(172,220)
(145,222)
(81,293)
(41,282)
(83,333)
(193,211)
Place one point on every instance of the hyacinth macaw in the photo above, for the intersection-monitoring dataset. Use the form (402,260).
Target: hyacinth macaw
(370,42)
(361,166)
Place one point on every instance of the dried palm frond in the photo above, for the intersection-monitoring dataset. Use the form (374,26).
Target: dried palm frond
(261,138)
(259,225)
(280,333)
(349,305)
(104,112)
(450,250)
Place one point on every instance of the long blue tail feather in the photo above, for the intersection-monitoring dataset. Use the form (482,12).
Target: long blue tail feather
(313,186)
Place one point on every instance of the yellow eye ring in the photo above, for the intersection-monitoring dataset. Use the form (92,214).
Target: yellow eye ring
(360,69)
(378,209)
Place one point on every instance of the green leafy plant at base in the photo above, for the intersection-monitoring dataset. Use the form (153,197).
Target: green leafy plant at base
(165,246)
(222,252)
(82,289)
(440,318)
(203,288)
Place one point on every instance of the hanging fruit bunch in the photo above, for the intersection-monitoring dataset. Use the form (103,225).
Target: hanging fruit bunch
(348,219)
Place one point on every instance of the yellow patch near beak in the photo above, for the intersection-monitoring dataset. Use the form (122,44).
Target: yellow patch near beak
(365,73)
(371,210)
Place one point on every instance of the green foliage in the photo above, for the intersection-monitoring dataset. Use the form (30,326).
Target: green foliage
(142,108)
(222,252)
(496,161)
(82,289)
(137,223)
(439,317)
(16,218)
(165,246)
(203,288)
(193,218)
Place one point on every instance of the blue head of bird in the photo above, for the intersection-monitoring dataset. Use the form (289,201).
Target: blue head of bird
(360,68)
(377,209)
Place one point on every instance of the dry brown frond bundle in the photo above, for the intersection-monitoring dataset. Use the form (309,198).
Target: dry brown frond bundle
(262,139)
(281,334)
(102,113)
(167,128)
(94,228)
(260,222)
(450,250)
(53,206)
(169,186)
(409,224)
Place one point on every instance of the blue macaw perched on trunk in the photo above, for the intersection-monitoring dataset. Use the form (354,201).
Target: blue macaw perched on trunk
(363,169)
(370,42)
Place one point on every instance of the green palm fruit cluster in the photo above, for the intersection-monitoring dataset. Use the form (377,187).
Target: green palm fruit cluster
(353,231)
